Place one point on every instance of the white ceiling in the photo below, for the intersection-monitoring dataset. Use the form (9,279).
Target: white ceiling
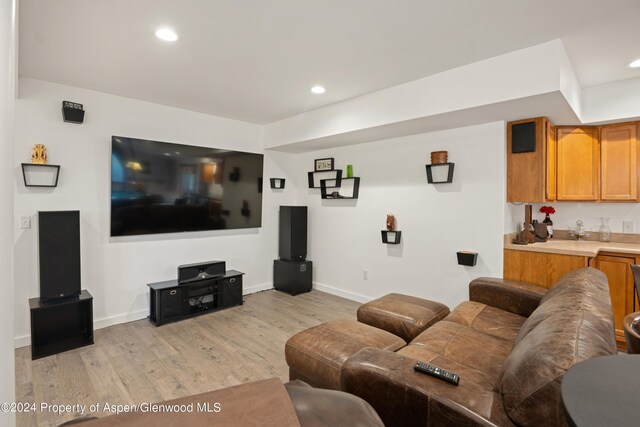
(255,60)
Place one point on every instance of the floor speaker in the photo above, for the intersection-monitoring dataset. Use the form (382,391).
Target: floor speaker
(293,233)
(59,254)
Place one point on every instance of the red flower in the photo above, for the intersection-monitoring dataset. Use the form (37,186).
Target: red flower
(547,210)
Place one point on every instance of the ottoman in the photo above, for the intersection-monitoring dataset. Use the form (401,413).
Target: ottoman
(402,315)
(316,355)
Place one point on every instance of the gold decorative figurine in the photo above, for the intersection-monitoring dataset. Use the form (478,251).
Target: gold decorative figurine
(39,155)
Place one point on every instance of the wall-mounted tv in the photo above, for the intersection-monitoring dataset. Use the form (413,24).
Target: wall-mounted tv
(160,187)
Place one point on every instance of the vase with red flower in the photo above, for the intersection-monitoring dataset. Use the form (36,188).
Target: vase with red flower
(548,210)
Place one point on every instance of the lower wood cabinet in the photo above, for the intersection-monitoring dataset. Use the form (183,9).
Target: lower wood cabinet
(545,269)
(539,268)
(621,287)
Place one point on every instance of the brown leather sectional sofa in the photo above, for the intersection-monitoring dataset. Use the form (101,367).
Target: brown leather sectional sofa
(511,344)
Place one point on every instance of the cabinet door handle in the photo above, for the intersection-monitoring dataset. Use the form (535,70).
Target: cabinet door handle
(173,292)
(232,280)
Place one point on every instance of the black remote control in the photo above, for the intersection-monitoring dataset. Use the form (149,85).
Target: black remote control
(436,372)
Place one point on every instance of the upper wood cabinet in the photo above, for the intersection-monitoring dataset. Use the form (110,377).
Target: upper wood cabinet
(531,175)
(572,163)
(578,164)
(619,159)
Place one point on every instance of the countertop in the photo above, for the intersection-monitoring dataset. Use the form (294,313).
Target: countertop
(577,247)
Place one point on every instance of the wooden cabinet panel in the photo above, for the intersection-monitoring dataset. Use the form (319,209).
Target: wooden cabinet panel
(578,163)
(619,159)
(552,163)
(539,268)
(620,286)
(526,172)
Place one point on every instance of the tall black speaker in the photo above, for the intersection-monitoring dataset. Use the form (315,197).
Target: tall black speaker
(293,233)
(59,254)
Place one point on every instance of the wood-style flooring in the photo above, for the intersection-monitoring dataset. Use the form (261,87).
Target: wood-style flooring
(138,362)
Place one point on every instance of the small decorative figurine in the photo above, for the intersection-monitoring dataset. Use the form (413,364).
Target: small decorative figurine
(39,155)
(391,223)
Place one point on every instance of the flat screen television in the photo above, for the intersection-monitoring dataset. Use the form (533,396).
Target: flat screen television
(160,187)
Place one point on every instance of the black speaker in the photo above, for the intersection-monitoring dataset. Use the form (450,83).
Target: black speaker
(292,277)
(293,233)
(201,270)
(59,254)
(523,137)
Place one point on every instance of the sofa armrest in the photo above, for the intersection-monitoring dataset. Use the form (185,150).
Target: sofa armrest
(404,397)
(509,295)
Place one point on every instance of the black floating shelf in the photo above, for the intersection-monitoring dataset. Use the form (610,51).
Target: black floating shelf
(36,175)
(467,258)
(277,183)
(337,177)
(335,195)
(437,174)
(395,237)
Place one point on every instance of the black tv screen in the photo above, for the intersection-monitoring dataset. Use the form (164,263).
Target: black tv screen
(159,187)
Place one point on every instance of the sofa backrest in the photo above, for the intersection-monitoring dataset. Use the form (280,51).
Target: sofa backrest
(573,323)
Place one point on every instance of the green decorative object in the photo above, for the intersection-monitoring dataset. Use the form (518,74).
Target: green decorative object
(349,171)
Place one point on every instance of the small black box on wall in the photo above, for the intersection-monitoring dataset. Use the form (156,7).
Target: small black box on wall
(467,258)
(72,112)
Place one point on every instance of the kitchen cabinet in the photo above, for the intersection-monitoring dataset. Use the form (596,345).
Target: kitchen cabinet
(540,268)
(531,175)
(619,159)
(621,287)
(578,163)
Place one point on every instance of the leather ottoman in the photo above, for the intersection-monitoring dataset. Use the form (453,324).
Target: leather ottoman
(402,315)
(317,354)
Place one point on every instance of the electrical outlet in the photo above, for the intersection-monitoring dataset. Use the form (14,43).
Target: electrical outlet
(365,275)
(25,222)
(627,226)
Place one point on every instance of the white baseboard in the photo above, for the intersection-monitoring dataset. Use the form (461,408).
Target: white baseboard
(341,293)
(257,288)
(105,322)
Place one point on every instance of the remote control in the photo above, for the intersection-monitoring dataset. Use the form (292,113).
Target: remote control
(436,372)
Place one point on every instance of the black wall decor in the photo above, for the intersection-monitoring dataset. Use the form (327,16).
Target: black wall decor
(59,254)
(235,175)
(277,183)
(72,112)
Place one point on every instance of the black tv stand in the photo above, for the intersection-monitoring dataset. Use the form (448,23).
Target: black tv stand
(171,301)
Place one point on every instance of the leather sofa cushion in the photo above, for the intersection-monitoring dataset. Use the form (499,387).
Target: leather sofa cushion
(573,324)
(402,315)
(318,353)
(466,346)
(487,319)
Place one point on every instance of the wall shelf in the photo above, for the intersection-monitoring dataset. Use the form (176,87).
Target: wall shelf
(391,237)
(349,191)
(277,183)
(36,175)
(336,176)
(467,258)
(440,173)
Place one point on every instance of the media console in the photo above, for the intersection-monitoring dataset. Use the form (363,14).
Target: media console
(171,301)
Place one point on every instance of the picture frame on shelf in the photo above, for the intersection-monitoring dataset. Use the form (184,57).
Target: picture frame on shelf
(327,164)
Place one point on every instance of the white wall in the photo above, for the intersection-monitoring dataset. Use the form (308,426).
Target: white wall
(7,70)
(568,213)
(435,220)
(116,271)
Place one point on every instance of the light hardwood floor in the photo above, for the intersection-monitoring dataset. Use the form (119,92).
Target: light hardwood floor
(138,362)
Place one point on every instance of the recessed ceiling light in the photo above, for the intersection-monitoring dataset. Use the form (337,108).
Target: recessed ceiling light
(166,34)
(318,90)
(635,64)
